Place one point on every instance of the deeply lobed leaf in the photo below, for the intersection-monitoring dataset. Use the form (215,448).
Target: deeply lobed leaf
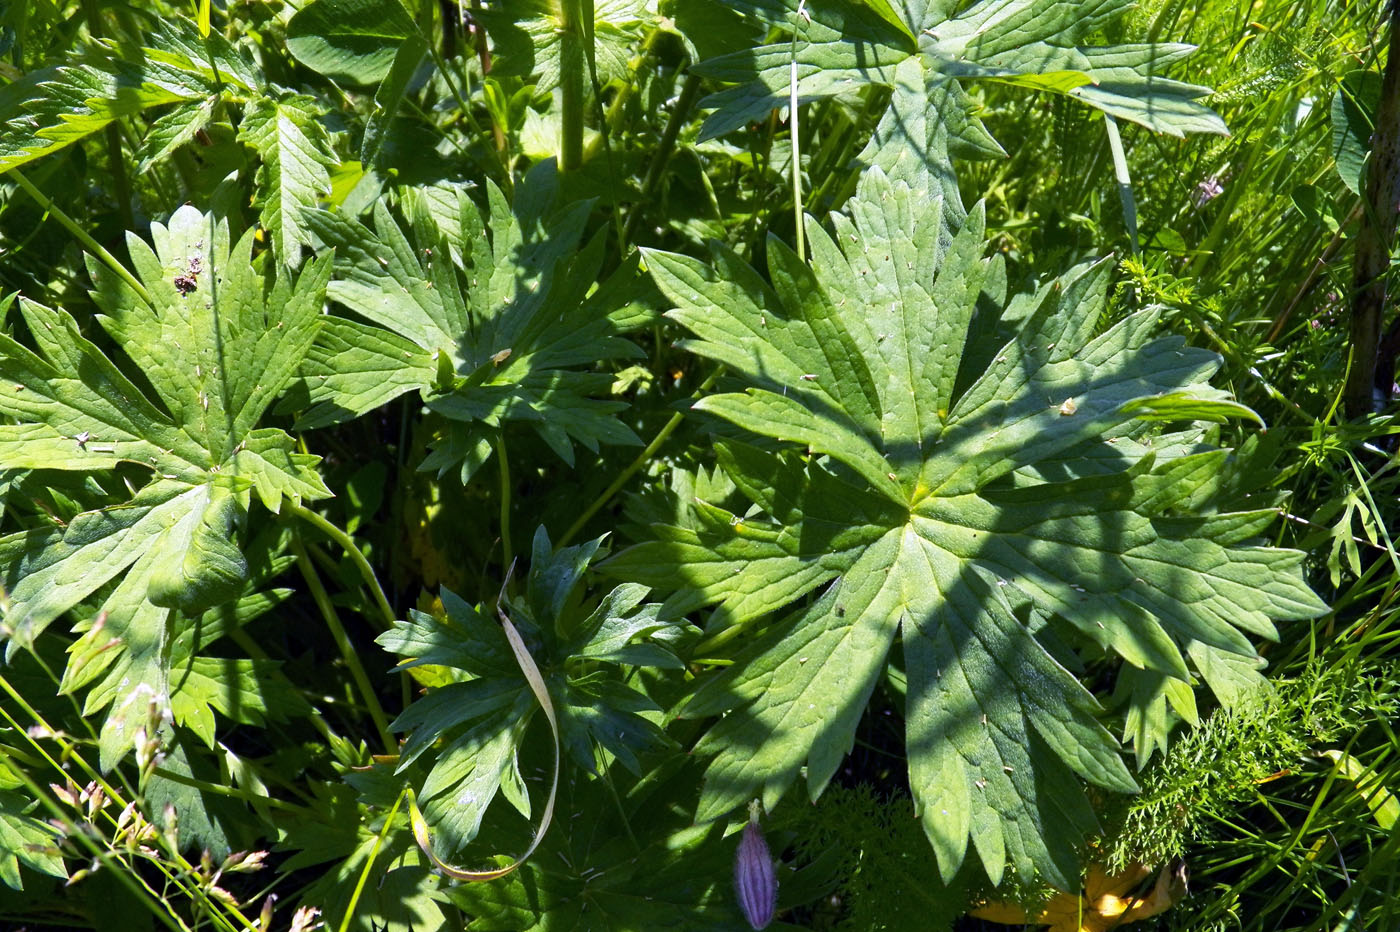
(216,343)
(977,512)
(486,328)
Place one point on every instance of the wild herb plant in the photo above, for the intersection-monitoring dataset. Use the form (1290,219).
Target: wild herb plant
(880,386)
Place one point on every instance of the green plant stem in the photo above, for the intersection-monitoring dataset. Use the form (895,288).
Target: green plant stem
(369,862)
(347,649)
(59,813)
(573,34)
(664,150)
(464,108)
(612,116)
(70,753)
(503,464)
(232,793)
(793,133)
(81,235)
(622,478)
(347,543)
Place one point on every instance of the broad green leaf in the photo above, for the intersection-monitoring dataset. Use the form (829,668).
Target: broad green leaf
(173,130)
(295,172)
(844,46)
(501,337)
(216,342)
(354,41)
(26,839)
(475,728)
(941,502)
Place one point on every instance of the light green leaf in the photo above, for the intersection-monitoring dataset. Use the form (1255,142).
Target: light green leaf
(216,342)
(526,41)
(296,162)
(389,95)
(941,516)
(1353,116)
(352,41)
(173,130)
(1180,406)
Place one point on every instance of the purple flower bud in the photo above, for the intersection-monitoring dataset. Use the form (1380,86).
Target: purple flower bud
(1206,191)
(754,879)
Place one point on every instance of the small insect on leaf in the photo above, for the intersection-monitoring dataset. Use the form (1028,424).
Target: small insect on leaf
(502,356)
(1068,407)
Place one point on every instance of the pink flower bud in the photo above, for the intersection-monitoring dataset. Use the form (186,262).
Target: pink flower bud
(754,879)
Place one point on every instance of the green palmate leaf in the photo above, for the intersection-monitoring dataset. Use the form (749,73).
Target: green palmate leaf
(486,329)
(974,511)
(55,107)
(476,726)
(296,162)
(216,343)
(844,46)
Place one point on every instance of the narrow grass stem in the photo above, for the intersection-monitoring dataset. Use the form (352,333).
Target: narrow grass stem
(369,861)
(71,753)
(641,460)
(343,643)
(503,465)
(81,235)
(347,543)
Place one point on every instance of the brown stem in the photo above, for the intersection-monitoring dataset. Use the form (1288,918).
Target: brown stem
(1368,386)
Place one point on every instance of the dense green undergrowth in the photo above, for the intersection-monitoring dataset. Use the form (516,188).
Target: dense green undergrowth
(460,463)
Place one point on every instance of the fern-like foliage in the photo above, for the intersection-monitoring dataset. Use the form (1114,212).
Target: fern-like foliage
(487,328)
(216,342)
(993,513)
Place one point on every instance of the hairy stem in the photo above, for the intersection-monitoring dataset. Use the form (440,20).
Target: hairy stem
(573,35)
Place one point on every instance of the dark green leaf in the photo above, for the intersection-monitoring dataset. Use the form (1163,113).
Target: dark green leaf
(905,504)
